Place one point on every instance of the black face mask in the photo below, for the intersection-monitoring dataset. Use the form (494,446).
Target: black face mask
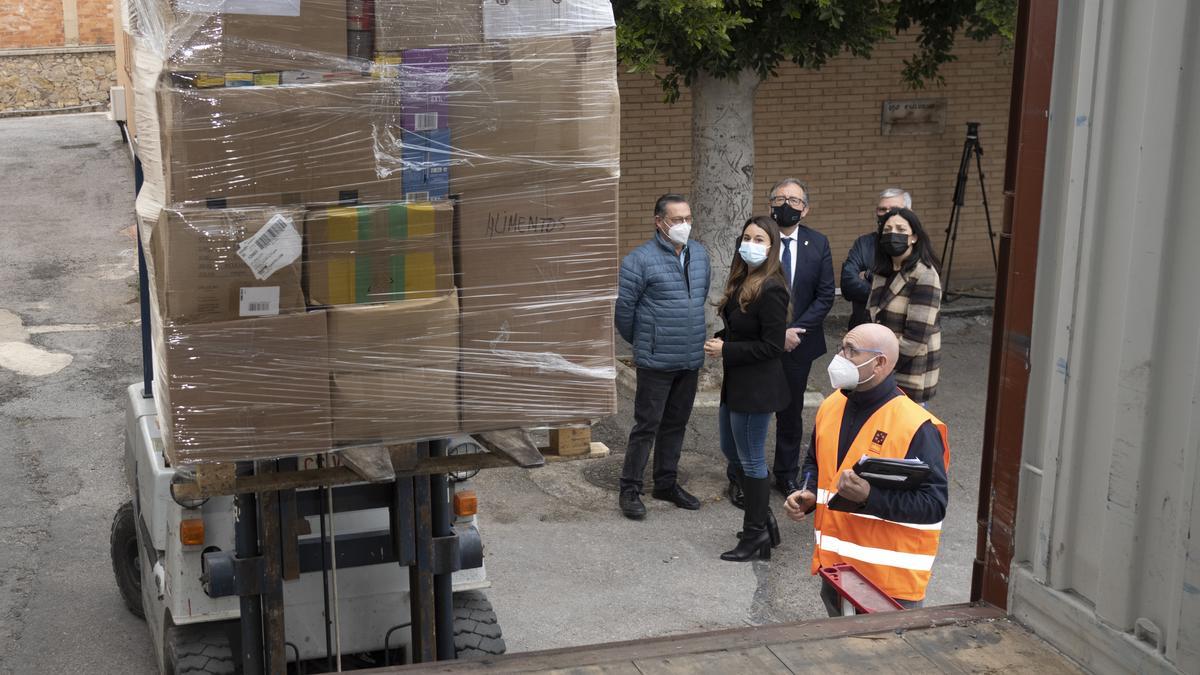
(893,243)
(785,216)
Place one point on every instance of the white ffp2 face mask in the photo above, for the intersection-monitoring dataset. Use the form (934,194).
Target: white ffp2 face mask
(843,373)
(680,233)
(754,254)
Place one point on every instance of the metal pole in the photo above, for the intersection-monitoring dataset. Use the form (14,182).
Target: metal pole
(246,543)
(337,627)
(143,294)
(272,587)
(443,591)
(420,574)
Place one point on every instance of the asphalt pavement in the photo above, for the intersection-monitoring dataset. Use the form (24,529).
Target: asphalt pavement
(567,568)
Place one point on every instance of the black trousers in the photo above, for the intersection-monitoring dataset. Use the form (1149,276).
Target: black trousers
(789,422)
(661,409)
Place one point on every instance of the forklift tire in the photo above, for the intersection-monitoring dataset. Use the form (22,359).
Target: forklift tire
(126,564)
(476,630)
(200,649)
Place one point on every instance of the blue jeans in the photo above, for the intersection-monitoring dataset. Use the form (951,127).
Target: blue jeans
(744,440)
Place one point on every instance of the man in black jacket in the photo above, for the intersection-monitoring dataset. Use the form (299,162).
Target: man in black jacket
(856,271)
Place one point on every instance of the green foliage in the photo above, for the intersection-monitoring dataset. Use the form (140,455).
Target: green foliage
(725,37)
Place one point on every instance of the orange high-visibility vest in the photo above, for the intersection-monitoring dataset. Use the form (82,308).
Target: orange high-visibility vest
(896,556)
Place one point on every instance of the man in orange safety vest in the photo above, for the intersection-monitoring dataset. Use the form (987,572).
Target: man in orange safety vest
(889,535)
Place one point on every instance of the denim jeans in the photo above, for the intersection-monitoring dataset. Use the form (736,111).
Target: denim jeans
(744,439)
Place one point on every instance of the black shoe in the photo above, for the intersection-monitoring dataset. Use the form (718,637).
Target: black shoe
(677,496)
(756,544)
(631,504)
(736,496)
(787,486)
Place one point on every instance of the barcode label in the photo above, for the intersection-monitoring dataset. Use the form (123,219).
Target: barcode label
(258,301)
(273,232)
(275,246)
(427,121)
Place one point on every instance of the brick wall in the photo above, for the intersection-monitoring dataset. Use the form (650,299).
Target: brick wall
(823,126)
(95,22)
(31,23)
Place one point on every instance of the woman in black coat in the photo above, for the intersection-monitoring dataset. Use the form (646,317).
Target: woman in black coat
(755,310)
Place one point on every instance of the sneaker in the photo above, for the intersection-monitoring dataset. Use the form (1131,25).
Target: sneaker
(631,504)
(677,496)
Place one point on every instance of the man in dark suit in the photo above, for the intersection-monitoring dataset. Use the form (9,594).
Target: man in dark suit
(808,267)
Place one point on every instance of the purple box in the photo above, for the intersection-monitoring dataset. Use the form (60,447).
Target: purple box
(424,88)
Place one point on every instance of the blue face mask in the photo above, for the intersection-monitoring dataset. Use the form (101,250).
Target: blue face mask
(754,254)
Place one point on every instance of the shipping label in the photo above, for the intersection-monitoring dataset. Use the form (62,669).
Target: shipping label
(272,248)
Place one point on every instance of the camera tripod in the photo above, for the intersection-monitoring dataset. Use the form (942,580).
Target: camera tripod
(971,147)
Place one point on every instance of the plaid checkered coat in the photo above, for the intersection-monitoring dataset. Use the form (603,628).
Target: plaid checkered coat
(910,304)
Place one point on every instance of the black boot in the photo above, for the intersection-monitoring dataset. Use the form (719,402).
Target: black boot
(756,537)
(736,496)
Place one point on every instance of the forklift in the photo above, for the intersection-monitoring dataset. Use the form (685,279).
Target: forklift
(304,564)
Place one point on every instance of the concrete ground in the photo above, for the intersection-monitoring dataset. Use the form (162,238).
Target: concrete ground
(567,568)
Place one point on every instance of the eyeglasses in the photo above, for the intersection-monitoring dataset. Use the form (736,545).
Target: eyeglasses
(881,210)
(677,221)
(794,202)
(850,351)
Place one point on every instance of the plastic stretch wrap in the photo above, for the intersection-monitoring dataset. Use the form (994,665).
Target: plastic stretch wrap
(375,222)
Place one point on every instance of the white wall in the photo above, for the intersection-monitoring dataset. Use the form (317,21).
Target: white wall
(1108,538)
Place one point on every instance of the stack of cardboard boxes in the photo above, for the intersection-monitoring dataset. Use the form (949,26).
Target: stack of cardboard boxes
(347,253)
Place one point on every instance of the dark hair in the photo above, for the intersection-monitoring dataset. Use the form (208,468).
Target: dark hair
(660,206)
(751,281)
(922,250)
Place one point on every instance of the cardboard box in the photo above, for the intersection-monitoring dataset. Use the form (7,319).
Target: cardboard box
(395,370)
(524,110)
(537,365)
(259,35)
(199,276)
(503,19)
(415,24)
(424,80)
(246,389)
(379,252)
(247,146)
(426,173)
(552,241)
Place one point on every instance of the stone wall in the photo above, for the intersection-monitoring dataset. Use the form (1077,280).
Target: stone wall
(38,81)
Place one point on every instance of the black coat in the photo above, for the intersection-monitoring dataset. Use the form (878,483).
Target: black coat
(754,379)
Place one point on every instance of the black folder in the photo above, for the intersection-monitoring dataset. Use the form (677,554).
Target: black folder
(890,474)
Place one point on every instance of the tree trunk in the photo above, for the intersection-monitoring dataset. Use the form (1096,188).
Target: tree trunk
(722,176)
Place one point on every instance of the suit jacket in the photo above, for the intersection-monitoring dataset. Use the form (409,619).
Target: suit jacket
(812,293)
(754,380)
(910,304)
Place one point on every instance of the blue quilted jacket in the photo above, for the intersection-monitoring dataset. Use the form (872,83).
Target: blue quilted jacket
(660,312)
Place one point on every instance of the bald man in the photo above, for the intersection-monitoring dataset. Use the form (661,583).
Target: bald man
(890,535)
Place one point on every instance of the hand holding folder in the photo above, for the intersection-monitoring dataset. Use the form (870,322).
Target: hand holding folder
(889,474)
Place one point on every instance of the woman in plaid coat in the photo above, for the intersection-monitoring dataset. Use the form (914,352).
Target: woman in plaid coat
(906,296)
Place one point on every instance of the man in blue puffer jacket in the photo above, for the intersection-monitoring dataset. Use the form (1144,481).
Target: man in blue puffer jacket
(660,311)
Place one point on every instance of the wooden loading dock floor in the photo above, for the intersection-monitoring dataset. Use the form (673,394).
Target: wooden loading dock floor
(952,639)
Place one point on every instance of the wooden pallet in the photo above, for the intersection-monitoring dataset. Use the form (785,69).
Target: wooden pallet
(385,463)
(573,442)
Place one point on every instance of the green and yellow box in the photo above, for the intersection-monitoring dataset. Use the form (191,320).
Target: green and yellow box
(378,253)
